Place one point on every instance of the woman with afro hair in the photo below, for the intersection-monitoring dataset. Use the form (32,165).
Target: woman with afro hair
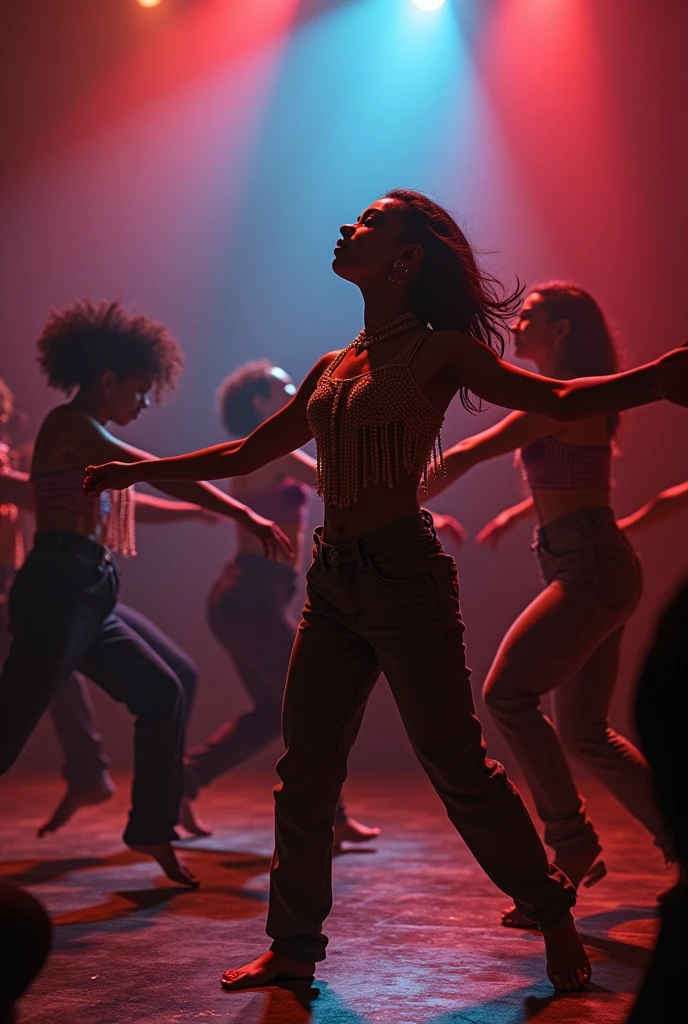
(61,608)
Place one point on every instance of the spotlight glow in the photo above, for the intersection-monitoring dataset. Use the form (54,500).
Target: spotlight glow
(148,3)
(428,5)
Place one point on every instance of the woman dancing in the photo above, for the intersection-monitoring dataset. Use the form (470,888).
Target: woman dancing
(62,600)
(382,595)
(85,768)
(568,640)
(248,606)
(86,764)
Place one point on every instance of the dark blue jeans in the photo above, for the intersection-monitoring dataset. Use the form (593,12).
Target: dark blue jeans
(61,619)
(74,717)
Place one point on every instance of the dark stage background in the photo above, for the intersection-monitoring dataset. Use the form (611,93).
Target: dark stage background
(197,159)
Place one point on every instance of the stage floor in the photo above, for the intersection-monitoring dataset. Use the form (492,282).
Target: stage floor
(414,937)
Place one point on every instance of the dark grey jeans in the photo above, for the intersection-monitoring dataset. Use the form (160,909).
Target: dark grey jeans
(73,714)
(389,602)
(61,619)
(248,613)
(568,641)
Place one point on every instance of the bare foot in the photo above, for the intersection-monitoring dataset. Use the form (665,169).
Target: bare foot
(266,969)
(167,859)
(74,799)
(189,821)
(568,967)
(513,918)
(352,831)
(581,867)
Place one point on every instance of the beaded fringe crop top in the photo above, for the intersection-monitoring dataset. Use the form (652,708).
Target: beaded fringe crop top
(64,488)
(551,463)
(371,428)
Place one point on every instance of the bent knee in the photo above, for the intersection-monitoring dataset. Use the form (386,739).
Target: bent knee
(160,693)
(584,744)
(499,694)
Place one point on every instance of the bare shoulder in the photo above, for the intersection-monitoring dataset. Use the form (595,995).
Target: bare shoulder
(66,421)
(324,361)
(56,425)
(316,372)
(442,353)
(54,437)
(450,342)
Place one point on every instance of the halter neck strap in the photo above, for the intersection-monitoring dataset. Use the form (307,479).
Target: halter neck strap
(409,350)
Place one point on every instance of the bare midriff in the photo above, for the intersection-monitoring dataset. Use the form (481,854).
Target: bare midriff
(63,519)
(377,505)
(553,503)
(50,455)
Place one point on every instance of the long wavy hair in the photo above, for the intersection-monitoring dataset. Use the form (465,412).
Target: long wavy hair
(451,290)
(589,348)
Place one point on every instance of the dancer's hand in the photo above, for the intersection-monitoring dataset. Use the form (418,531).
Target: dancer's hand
(449,527)
(269,534)
(673,375)
(497,529)
(112,476)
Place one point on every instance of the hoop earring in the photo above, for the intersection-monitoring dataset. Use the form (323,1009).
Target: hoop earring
(398,273)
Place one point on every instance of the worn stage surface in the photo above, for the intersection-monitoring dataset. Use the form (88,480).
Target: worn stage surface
(414,937)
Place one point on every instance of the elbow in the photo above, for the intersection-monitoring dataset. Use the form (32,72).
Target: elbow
(562,406)
(242,461)
(232,464)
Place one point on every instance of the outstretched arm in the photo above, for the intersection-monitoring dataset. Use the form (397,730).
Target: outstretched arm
(479,369)
(15,489)
(502,524)
(151,509)
(89,440)
(284,432)
(665,504)
(514,431)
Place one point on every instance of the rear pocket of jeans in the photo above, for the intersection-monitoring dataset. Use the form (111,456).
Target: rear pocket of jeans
(619,579)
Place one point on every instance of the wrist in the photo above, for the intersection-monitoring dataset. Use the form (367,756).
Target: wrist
(241,514)
(656,382)
(143,471)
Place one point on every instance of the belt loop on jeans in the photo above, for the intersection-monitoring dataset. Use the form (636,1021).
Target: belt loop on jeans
(358,554)
(426,516)
(317,541)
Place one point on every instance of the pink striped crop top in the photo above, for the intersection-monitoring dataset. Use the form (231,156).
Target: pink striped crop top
(551,463)
(64,488)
